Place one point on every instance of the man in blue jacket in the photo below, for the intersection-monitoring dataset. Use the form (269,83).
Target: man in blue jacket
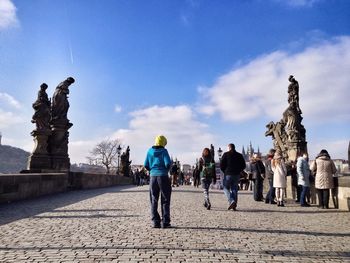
(158,164)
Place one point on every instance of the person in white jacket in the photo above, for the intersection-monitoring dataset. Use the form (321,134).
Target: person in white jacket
(303,171)
(279,177)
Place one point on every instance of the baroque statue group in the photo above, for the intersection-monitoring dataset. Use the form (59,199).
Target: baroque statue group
(51,132)
(288,134)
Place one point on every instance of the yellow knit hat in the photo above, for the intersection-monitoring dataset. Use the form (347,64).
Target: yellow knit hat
(160,141)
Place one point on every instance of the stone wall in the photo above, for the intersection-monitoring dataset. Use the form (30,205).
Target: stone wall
(344,192)
(23,186)
(79,180)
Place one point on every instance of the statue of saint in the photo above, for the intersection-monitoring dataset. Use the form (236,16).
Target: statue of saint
(212,152)
(60,104)
(293,93)
(41,106)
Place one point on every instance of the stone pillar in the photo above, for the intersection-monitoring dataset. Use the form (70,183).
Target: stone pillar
(40,158)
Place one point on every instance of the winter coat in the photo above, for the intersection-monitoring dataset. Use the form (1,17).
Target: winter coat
(279,175)
(303,171)
(268,169)
(257,169)
(157,161)
(324,168)
(205,163)
(232,163)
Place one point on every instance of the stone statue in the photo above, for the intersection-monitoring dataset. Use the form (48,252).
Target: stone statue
(289,135)
(125,162)
(60,104)
(42,113)
(58,141)
(293,93)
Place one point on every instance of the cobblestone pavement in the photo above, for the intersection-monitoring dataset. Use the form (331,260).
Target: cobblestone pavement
(113,224)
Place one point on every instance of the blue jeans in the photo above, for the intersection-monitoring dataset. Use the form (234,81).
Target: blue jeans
(231,187)
(160,185)
(304,191)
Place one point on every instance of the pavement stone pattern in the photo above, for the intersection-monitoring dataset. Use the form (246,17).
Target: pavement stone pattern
(113,225)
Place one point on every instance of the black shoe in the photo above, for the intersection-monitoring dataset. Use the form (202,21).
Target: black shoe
(205,204)
(278,203)
(273,203)
(166,225)
(156,225)
(209,206)
(267,201)
(305,205)
(282,203)
(232,206)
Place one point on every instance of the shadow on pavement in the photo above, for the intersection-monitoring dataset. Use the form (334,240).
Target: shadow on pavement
(28,208)
(265,231)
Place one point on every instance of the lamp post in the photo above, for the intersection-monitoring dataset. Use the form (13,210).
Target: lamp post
(118,152)
(220,153)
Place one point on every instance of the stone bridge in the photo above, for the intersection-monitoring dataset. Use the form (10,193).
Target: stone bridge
(113,225)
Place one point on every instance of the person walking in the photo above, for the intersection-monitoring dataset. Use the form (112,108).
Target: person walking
(324,168)
(174,175)
(303,171)
(232,164)
(158,163)
(279,177)
(207,173)
(270,195)
(257,169)
(196,176)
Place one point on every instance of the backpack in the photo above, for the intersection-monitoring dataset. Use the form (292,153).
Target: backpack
(207,171)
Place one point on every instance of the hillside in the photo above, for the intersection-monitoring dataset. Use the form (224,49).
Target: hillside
(12,159)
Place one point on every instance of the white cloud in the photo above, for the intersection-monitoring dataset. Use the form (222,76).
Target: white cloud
(79,150)
(117,108)
(259,88)
(337,149)
(8,16)
(299,3)
(9,100)
(186,135)
(8,119)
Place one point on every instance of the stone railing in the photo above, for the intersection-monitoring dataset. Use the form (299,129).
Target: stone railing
(23,186)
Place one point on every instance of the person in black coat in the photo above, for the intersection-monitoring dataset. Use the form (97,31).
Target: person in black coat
(257,168)
(232,164)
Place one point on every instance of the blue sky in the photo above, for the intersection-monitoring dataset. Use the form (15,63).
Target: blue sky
(200,72)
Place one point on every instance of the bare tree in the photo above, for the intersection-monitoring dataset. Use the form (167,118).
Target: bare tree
(105,153)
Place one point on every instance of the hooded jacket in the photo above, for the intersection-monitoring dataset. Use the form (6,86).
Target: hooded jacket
(157,161)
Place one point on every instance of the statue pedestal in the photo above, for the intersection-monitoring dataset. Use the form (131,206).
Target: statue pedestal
(59,148)
(40,159)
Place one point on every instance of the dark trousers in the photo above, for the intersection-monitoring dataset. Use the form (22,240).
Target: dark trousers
(160,185)
(299,190)
(323,198)
(197,181)
(271,194)
(258,189)
(304,192)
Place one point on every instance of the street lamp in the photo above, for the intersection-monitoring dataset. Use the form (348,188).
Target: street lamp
(220,153)
(118,152)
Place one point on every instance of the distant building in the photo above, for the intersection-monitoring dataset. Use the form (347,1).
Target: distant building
(250,151)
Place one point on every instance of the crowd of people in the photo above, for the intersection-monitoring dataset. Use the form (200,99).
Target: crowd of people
(235,171)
